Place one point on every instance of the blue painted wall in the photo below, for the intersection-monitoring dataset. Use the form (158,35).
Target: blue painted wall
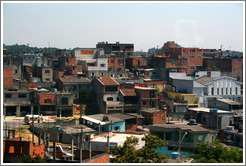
(120,125)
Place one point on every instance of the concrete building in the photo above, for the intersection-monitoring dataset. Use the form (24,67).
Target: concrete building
(173,133)
(212,118)
(107,94)
(220,87)
(100,142)
(116,67)
(64,103)
(73,85)
(47,74)
(93,61)
(208,74)
(104,123)
(16,103)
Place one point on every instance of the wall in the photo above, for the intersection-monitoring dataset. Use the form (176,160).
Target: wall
(8,76)
(47,77)
(42,98)
(121,126)
(183,86)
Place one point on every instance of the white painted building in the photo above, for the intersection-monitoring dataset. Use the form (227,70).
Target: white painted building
(221,87)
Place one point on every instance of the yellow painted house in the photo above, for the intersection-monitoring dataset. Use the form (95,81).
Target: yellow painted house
(192,99)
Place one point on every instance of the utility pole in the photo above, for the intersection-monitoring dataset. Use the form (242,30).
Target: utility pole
(81,146)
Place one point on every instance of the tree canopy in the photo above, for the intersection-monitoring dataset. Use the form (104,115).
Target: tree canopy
(217,153)
(29,159)
(147,154)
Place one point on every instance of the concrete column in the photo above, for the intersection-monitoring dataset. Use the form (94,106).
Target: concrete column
(32,110)
(39,138)
(18,113)
(90,150)
(4,111)
(54,150)
(38,110)
(72,148)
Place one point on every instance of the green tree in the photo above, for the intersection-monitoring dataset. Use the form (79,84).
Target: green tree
(29,159)
(129,154)
(217,153)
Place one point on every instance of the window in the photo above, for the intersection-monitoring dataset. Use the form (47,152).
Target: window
(92,74)
(47,101)
(112,75)
(116,128)
(152,104)
(236,90)
(204,119)
(47,72)
(110,99)
(102,74)
(192,67)
(200,137)
(230,91)
(11,149)
(16,71)
(183,62)
(47,79)
(22,95)
(8,96)
(102,65)
(199,57)
(218,91)
(138,62)
(112,61)
(212,91)
(118,99)
(226,91)
(64,101)
(192,57)
(173,62)
(222,93)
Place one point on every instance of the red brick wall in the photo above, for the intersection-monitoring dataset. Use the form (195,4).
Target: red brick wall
(32,85)
(57,74)
(71,62)
(101,159)
(20,148)
(115,61)
(8,76)
(42,98)
(159,117)
(131,127)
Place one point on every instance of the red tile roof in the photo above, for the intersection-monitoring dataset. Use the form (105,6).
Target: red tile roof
(128,92)
(108,81)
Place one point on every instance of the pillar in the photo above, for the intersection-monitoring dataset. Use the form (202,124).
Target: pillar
(54,150)
(4,111)
(72,148)
(18,113)
(90,150)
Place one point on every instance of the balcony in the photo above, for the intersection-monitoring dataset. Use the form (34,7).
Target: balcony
(183,144)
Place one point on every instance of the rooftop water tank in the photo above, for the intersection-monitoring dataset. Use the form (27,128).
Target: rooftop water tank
(215,110)
(39,87)
(229,127)
(175,155)
(192,121)
(54,90)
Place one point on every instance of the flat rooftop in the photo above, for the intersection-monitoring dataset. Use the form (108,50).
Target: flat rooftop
(184,127)
(204,109)
(120,139)
(228,101)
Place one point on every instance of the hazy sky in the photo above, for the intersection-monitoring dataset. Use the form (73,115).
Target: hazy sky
(146,25)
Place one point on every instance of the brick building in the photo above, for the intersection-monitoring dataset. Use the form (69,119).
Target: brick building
(15,149)
(193,55)
(116,67)
(7,77)
(154,116)
(229,66)
(117,49)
